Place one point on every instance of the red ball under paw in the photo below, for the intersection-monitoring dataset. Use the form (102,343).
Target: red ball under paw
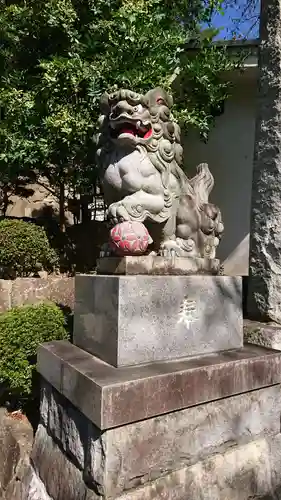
(129,238)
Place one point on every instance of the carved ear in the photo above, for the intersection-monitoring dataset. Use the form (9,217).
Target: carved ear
(164,101)
(104,104)
(170,101)
(160,101)
(163,98)
(158,96)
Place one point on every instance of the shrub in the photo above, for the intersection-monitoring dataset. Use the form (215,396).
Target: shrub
(24,249)
(22,329)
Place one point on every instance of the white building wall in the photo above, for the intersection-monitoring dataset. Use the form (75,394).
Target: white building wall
(229,153)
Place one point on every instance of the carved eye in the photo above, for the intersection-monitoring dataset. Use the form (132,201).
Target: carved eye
(138,108)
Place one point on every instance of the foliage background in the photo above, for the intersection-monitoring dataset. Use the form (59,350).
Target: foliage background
(22,330)
(58,56)
(24,249)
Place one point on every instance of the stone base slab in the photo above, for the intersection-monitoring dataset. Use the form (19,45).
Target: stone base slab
(129,320)
(238,470)
(248,472)
(110,397)
(155,265)
(133,455)
(251,471)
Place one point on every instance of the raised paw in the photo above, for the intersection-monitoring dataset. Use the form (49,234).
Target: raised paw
(170,249)
(177,248)
(117,213)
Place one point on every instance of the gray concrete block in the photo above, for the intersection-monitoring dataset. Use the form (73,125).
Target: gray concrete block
(128,320)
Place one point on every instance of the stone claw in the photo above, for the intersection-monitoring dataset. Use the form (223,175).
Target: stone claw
(117,213)
(170,249)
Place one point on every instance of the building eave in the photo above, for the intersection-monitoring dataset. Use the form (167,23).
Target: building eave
(236,47)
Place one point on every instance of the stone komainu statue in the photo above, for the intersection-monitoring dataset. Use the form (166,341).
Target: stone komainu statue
(140,157)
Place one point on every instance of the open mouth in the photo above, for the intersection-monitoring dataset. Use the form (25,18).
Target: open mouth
(137,129)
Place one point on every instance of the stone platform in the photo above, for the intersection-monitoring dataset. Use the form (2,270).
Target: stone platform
(156,265)
(205,427)
(111,397)
(129,320)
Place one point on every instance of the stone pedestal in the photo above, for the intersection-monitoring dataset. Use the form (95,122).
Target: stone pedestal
(203,427)
(128,320)
(162,401)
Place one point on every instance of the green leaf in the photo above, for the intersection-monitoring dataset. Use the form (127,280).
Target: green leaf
(58,56)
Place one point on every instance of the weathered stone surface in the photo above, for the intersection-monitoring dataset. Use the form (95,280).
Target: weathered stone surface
(5,295)
(264,290)
(264,334)
(45,398)
(126,457)
(127,320)
(41,202)
(120,460)
(29,291)
(156,265)
(59,289)
(27,486)
(16,437)
(247,472)
(59,475)
(129,456)
(111,397)
(73,435)
(98,471)
(35,488)
(9,456)
(66,424)
(62,291)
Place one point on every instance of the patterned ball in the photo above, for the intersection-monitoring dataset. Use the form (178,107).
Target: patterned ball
(129,238)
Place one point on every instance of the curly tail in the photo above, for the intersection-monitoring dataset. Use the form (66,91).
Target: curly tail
(202,184)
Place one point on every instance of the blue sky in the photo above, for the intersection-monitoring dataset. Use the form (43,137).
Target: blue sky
(242,18)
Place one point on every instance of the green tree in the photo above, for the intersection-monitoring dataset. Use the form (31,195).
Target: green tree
(58,56)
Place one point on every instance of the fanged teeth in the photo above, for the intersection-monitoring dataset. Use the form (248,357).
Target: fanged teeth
(138,125)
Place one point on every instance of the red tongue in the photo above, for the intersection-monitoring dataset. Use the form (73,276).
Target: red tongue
(132,131)
(127,131)
(148,134)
